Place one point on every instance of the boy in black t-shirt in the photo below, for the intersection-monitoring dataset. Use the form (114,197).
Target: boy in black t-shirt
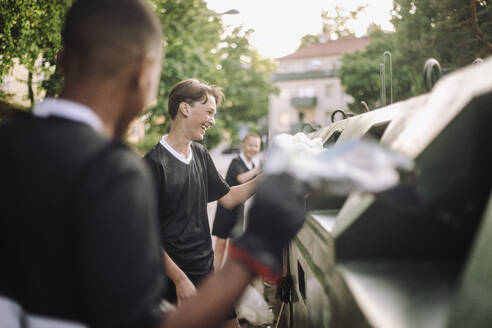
(187,180)
(230,223)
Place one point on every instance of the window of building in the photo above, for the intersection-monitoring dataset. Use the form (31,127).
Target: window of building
(313,65)
(307,92)
(329,90)
(290,68)
(336,64)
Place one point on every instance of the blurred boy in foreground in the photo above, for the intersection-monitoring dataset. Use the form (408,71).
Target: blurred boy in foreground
(78,214)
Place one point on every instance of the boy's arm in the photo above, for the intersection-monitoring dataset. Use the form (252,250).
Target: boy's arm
(238,194)
(214,298)
(184,287)
(248,175)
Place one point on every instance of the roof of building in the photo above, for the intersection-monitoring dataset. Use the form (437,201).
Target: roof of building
(332,47)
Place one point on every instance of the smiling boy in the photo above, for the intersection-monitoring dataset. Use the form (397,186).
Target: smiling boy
(187,180)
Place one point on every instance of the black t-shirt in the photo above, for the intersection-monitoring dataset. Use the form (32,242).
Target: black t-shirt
(224,216)
(78,222)
(183,193)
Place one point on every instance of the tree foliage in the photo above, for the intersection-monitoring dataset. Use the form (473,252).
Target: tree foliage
(246,80)
(333,27)
(30,33)
(336,27)
(309,39)
(455,32)
(360,73)
(196,46)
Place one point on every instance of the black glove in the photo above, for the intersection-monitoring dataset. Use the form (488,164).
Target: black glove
(277,214)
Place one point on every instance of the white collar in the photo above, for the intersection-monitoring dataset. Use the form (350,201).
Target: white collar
(180,157)
(248,164)
(69,110)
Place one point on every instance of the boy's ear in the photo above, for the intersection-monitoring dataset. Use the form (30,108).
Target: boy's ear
(184,108)
(141,73)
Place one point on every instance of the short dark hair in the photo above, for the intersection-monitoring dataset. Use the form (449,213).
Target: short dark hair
(103,36)
(191,91)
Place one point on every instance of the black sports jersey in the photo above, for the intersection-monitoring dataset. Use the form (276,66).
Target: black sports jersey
(226,219)
(183,193)
(77,225)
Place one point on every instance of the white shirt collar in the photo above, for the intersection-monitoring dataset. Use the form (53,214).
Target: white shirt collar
(248,164)
(69,110)
(180,157)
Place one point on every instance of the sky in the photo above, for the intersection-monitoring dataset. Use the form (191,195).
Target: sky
(280,25)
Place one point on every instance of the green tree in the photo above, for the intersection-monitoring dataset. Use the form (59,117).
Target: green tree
(309,39)
(246,80)
(333,27)
(463,31)
(30,33)
(360,73)
(455,32)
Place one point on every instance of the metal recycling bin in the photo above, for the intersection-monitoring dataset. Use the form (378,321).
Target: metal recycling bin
(417,255)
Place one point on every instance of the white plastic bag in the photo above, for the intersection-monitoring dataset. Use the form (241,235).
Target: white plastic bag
(254,308)
(353,165)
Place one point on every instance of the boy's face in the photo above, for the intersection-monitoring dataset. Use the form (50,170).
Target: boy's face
(251,147)
(201,118)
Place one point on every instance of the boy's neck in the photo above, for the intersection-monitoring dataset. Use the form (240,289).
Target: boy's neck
(179,141)
(249,160)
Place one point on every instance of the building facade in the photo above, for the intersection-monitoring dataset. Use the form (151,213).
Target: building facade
(309,86)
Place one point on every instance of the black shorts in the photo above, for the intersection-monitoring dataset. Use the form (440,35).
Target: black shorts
(223,226)
(226,221)
(170,293)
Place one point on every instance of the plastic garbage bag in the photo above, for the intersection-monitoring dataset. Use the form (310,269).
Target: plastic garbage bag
(353,165)
(254,308)
(299,144)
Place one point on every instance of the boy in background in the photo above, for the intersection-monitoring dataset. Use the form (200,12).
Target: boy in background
(230,222)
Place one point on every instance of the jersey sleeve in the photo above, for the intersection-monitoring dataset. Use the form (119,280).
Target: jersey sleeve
(217,187)
(120,268)
(234,170)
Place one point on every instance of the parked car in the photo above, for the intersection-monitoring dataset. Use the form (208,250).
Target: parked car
(231,150)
